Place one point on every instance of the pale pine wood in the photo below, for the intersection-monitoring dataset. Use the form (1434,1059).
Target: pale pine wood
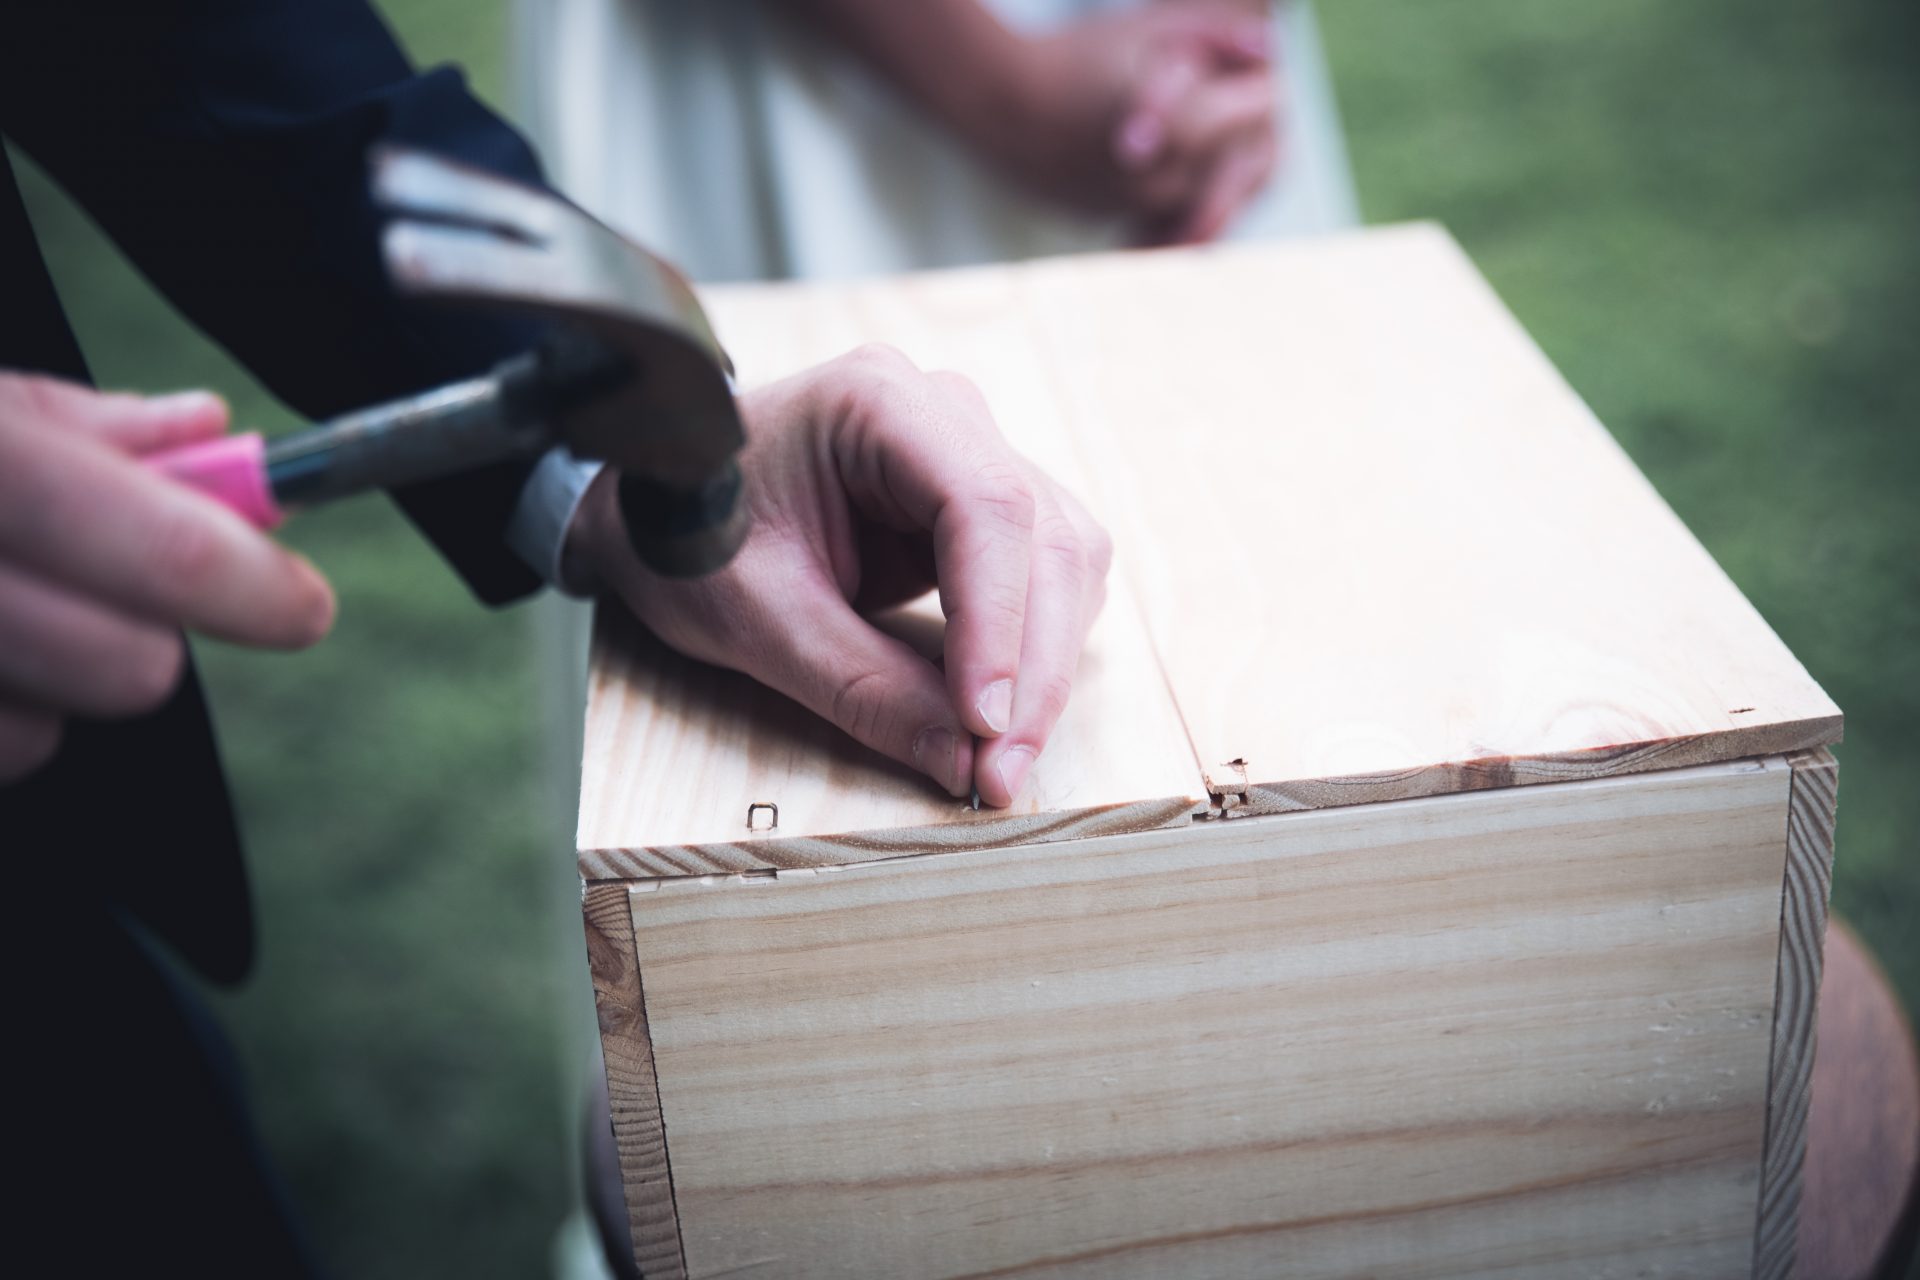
(1523,1032)
(1372,541)
(1803,932)
(633,1095)
(1393,554)
(677,751)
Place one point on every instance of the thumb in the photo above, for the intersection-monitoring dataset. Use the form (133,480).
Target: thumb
(876,688)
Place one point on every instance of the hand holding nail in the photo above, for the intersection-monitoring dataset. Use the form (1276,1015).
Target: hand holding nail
(869,482)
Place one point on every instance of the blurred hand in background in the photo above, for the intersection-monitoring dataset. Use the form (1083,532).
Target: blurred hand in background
(1165,114)
(102,562)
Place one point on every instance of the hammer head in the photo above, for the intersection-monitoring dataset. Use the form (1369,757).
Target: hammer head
(633,374)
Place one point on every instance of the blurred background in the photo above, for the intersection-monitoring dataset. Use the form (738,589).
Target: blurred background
(1708,215)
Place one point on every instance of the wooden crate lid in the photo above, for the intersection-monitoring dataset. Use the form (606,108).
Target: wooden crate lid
(1370,546)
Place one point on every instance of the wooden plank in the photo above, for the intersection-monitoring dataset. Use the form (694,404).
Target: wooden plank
(680,751)
(675,752)
(1382,547)
(1375,545)
(632,1090)
(1803,932)
(1523,1032)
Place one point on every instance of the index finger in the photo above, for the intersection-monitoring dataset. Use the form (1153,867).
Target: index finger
(1070,560)
(925,449)
(982,553)
(78,511)
(132,423)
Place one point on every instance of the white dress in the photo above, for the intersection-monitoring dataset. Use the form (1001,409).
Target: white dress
(723,135)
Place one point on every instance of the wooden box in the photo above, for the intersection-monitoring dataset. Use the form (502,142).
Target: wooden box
(1429,877)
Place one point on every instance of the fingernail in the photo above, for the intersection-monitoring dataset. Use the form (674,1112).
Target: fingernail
(1013,768)
(1140,137)
(185,404)
(996,705)
(323,607)
(933,756)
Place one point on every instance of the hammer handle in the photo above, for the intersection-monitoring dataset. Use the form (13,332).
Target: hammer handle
(231,470)
(419,437)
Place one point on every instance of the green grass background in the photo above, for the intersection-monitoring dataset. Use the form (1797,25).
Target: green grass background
(1709,215)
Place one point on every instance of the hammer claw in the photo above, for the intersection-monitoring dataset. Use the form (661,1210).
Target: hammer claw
(665,416)
(414,183)
(451,261)
(461,234)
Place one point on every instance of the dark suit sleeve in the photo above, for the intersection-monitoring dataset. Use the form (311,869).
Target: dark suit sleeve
(223,145)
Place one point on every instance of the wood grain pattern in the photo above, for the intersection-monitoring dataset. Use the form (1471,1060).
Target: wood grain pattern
(1523,1033)
(1509,771)
(1803,931)
(1369,538)
(1395,554)
(632,1090)
(678,750)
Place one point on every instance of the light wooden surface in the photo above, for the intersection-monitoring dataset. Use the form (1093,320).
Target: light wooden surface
(677,752)
(1370,539)
(1803,933)
(633,1096)
(1521,1033)
(1382,548)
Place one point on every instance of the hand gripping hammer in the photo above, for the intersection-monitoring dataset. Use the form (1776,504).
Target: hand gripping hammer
(631,373)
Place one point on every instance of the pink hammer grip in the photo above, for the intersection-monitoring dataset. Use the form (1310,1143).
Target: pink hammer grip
(231,470)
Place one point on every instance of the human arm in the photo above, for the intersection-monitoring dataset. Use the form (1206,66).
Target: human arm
(255,222)
(223,145)
(1163,113)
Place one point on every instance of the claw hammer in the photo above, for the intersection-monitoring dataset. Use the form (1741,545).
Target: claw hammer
(630,373)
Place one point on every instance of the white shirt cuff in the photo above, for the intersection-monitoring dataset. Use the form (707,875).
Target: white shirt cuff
(537,530)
